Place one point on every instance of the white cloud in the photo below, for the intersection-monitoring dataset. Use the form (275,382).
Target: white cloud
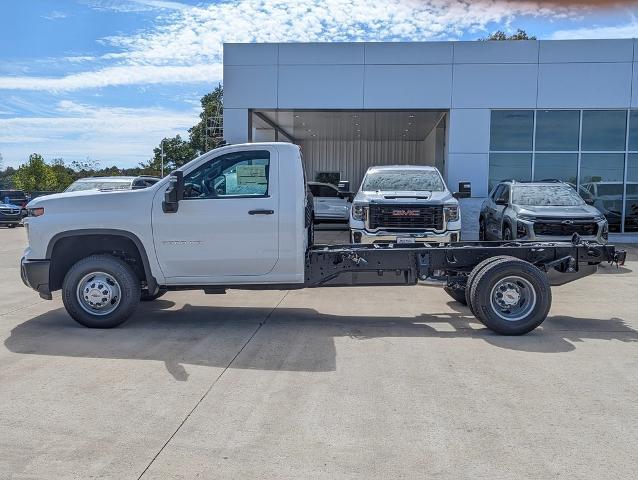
(629,30)
(123,136)
(55,15)
(185,45)
(116,76)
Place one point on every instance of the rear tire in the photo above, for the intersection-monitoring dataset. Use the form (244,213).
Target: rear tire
(511,297)
(475,271)
(457,294)
(101,291)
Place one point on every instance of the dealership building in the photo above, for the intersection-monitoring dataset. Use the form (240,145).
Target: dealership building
(479,111)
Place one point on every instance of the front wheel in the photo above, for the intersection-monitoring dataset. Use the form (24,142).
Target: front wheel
(482,236)
(507,233)
(100,291)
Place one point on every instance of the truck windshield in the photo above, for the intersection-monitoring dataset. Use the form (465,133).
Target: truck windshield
(403,181)
(545,195)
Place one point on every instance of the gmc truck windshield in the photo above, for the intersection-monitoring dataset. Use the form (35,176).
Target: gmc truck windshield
(545,195)
(403,181)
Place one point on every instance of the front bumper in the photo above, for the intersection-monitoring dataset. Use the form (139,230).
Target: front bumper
(602,231)
(35,275)
(363,236)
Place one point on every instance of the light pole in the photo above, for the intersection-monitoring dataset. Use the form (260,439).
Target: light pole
(162,159)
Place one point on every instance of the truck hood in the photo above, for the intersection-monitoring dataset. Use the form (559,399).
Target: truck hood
(405,197)
(92,199)
(556,211)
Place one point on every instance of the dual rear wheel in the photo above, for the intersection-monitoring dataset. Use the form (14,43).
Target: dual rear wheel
(508,295)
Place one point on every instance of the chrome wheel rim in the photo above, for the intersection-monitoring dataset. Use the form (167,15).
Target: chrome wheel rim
(513,298)
(99,293)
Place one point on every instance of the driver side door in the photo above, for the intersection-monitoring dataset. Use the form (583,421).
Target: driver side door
(227,225)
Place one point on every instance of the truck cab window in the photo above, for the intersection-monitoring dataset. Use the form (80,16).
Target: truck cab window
(237,174)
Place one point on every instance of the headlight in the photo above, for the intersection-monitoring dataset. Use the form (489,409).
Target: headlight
(36,212)
(359,212)
(451,212)
(599,218)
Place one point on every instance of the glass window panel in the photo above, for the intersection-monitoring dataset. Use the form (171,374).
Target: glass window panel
(601,184)
(511,130)
(557,166)
(557,129)
(510,166)
(604,130)
(633,130)
(631,199)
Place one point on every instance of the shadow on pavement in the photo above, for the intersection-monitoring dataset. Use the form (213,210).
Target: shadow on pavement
(293,339)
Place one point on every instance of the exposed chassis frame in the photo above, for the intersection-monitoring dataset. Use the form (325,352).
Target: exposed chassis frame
(394,264)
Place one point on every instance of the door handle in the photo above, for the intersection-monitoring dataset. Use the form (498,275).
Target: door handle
(260,212)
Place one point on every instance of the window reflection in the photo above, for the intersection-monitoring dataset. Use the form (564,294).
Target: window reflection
(511,130)
(510,166)
(604,130)
(631,198)
(556,166)
(557,129)
(601,184)
(633,130)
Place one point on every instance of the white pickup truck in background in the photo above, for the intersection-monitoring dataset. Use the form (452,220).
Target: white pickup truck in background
(241,217)
(404,204)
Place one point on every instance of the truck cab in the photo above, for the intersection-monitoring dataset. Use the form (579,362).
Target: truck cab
(404,204)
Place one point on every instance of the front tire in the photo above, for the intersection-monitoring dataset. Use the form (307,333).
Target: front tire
(482,236)
(101,291)
(507,233)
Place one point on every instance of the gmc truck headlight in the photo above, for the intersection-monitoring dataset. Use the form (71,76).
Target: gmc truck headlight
(451,213)
(599,218)
(359,212)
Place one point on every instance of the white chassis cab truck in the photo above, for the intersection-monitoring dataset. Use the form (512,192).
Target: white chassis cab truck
(240,217)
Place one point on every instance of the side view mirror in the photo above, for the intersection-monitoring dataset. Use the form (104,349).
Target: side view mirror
(174,193)
(500,201)
(465,190)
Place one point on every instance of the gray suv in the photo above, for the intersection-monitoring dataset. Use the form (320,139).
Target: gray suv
(539,211)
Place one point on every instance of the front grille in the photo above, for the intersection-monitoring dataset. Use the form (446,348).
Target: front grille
(10,211)
(406,216)
(549,226)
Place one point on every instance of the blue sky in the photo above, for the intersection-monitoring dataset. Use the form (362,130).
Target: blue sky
(108,79)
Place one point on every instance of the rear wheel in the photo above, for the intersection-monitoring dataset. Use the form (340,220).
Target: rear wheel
(457,294)
(511,297)
(100,291)
(475,271)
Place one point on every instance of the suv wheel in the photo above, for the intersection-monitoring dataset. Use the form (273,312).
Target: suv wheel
(507,233)
(482,229)
(100,291)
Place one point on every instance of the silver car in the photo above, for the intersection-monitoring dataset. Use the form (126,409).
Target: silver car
(539,211)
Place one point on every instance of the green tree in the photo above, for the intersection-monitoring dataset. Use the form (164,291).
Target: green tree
(177,152)
(64,175)
(501,35)
(208,133)
(35,175)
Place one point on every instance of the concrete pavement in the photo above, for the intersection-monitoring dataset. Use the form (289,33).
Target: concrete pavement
(377,382)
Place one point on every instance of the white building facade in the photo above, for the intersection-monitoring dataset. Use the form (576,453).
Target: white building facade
(480,111)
